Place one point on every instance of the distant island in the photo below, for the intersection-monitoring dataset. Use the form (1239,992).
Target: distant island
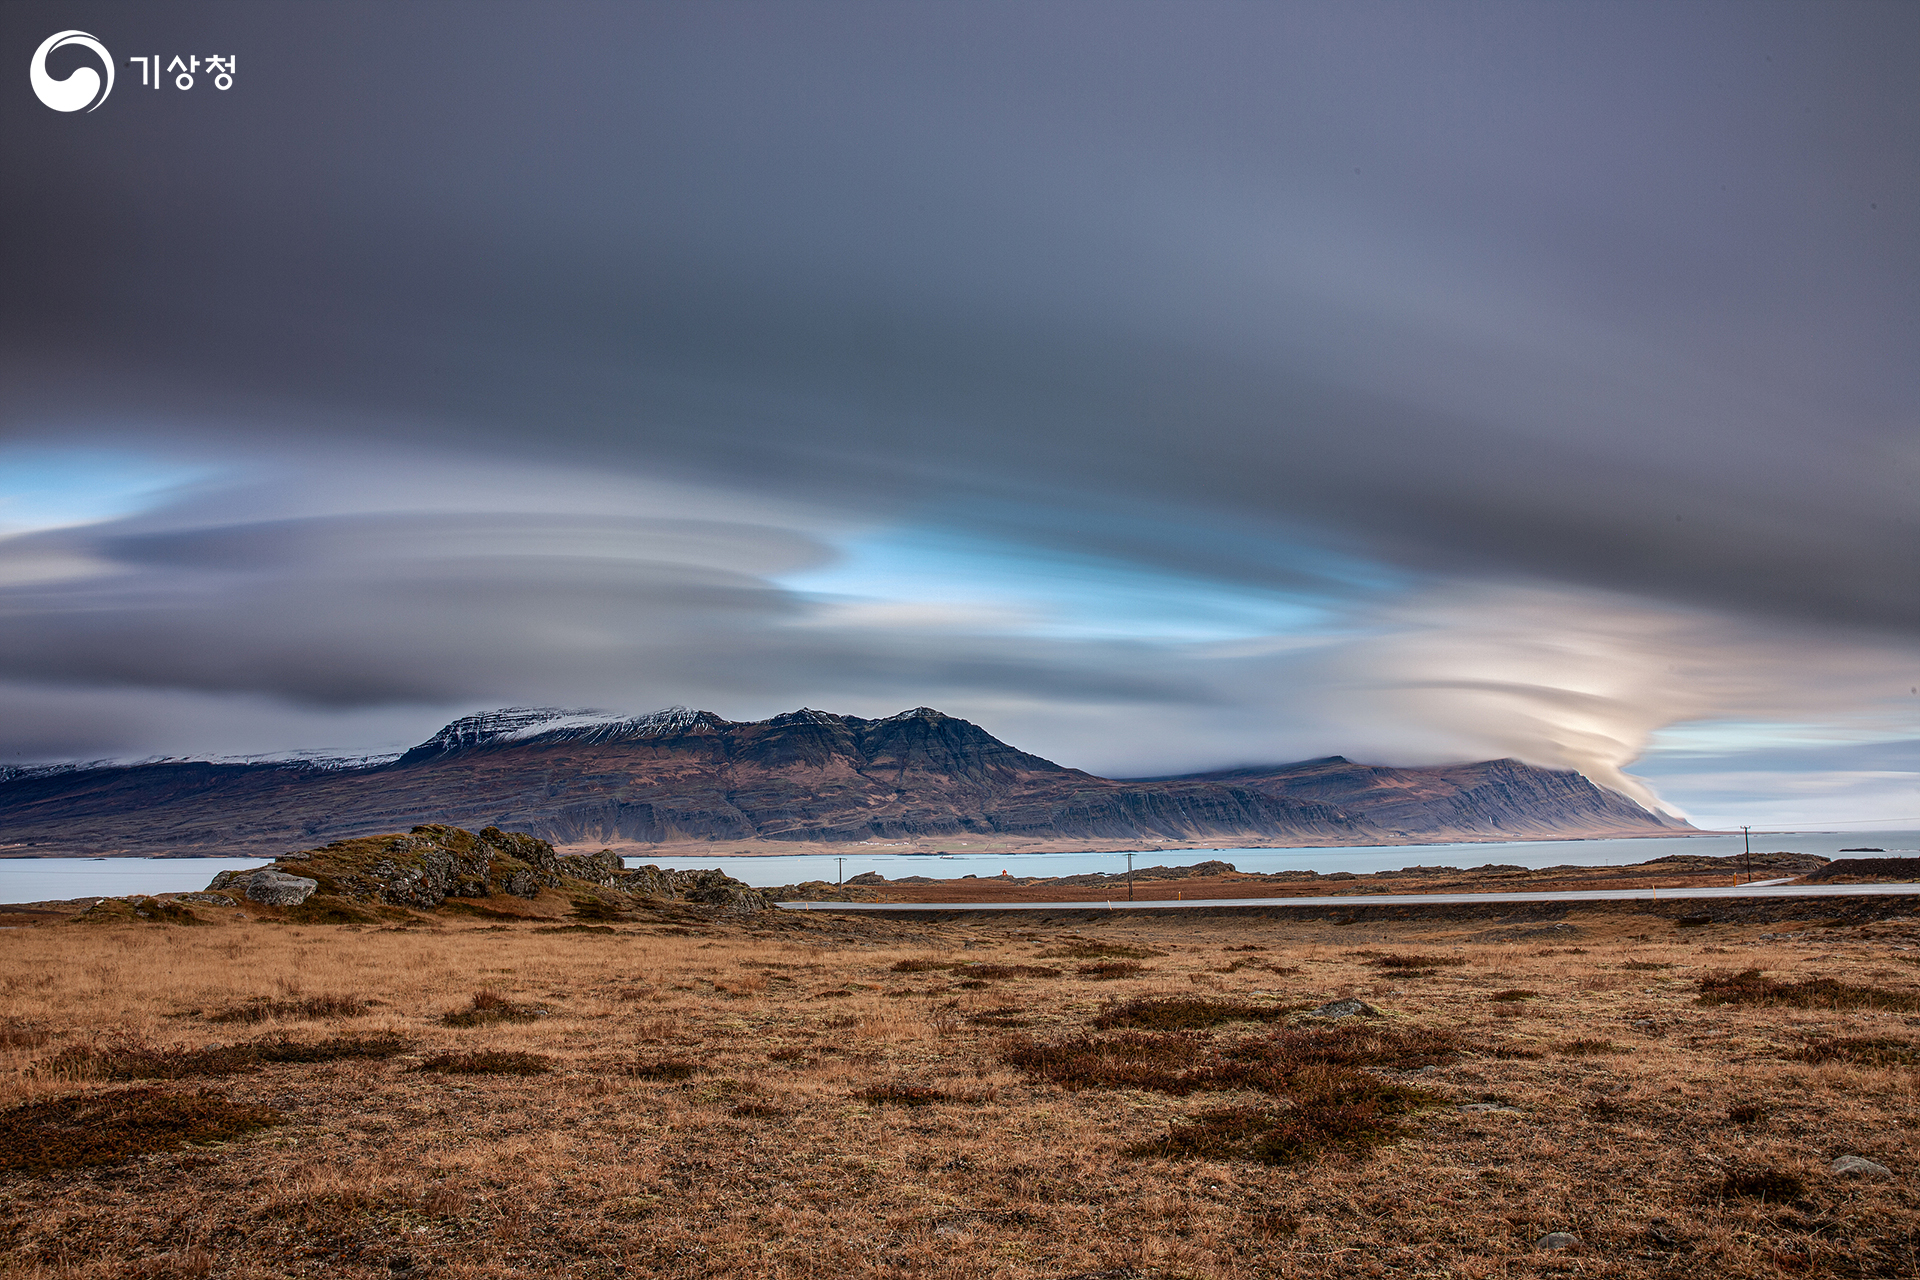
(805,781)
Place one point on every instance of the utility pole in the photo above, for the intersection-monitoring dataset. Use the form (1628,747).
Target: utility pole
(841,874)
(1746,834)
(1129,875)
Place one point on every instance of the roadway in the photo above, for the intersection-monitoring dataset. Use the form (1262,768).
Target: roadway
(1759,889)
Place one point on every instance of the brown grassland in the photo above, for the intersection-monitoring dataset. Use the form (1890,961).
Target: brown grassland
(820,1096)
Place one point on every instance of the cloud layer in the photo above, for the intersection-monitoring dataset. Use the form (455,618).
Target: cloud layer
(1543,375)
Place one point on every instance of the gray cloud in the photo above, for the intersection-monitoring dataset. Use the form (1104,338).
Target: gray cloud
(364,611)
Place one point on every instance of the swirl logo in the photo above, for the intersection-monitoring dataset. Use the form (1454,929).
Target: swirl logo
(82,88)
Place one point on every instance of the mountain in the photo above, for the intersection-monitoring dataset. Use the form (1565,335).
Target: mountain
(583,777)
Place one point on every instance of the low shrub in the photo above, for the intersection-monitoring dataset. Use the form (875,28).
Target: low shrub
(1098,951)
(1002,971)
(165,912)
(1416,962)
(489,1007)
(1181,1013)
(1588,1048)
(488,1062)
(912,1095)
(1763,1184)
(680,1068)
(311,1007)
(82,1130)
(335,1049)
(1108,970)
(1332,1109)
(1183,1062)
(1514,996)
(130,1058)
(1864,1051)
(1164,1062)
(1750,986)
(327,909)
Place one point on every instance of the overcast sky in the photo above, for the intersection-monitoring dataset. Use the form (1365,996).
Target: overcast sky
(1161,386)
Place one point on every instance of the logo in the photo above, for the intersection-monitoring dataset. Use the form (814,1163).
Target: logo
(82,88)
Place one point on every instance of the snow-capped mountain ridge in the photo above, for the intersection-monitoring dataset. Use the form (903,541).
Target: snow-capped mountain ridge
(682,775)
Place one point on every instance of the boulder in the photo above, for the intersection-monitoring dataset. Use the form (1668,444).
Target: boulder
(716,888)
(1555,1241)
(276,888)
(1860,1167)
(1345,1009)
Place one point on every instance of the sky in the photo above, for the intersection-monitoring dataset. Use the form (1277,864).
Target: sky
(1163,387)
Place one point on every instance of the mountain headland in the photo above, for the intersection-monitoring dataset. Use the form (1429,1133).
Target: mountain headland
(805,780)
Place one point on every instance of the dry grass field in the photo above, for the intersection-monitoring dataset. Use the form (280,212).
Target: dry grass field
(829,1097)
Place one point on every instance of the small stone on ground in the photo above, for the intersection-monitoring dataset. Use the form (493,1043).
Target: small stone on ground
(1345,1009)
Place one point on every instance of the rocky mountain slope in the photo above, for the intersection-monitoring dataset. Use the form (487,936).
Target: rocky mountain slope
(581,778)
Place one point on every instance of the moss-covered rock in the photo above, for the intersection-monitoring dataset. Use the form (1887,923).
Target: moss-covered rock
(434,865)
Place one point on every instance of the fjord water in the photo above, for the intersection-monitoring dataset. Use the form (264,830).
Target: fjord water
(776,869)
(56,879)
(61,879)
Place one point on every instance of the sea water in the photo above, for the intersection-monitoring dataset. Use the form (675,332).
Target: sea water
(57,879)
(776,869)
(53,879)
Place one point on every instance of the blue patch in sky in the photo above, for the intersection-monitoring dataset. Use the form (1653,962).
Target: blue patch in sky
(1683,746)
(1044,591)
(42,488)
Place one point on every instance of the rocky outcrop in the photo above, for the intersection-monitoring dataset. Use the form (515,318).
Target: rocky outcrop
(433,863)
(713,888)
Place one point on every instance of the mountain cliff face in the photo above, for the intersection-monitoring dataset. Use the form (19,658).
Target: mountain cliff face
(577,777)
